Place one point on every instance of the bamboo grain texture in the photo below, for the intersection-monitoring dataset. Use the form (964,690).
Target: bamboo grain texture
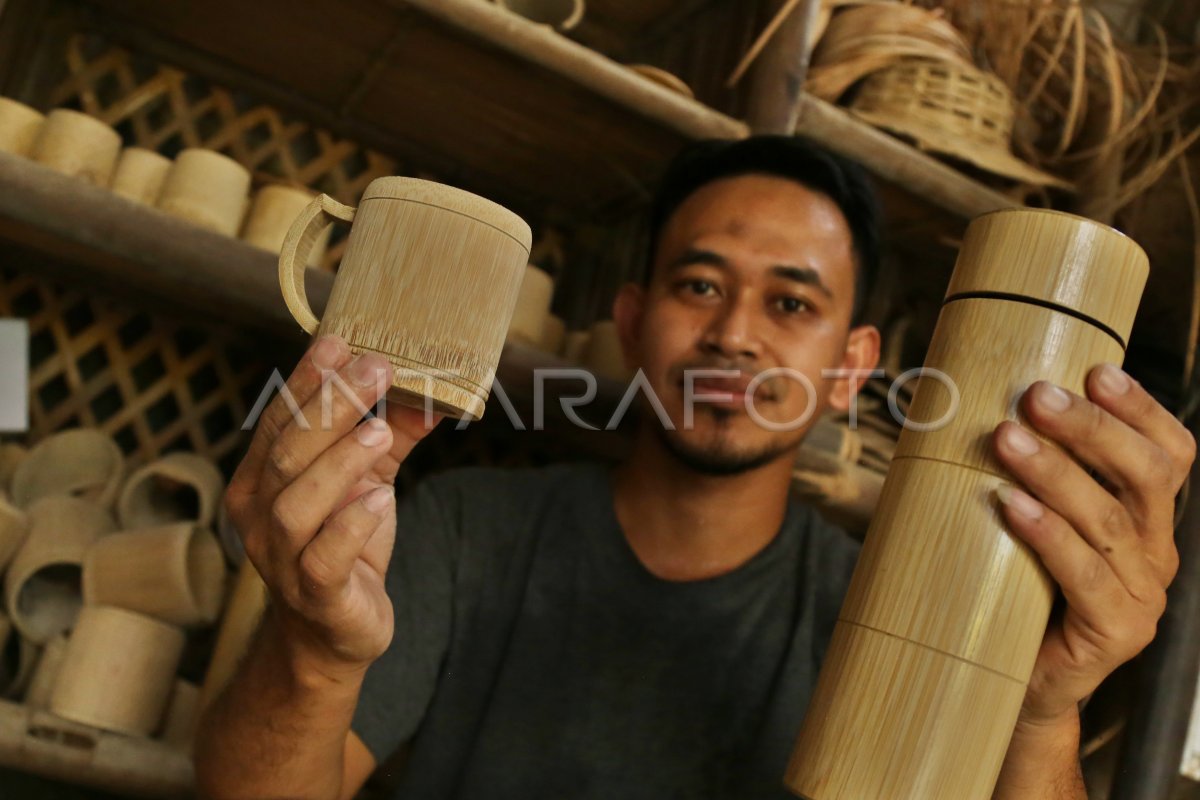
(429,280)
(946,610)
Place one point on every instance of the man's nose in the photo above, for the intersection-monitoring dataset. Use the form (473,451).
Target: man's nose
(732,330)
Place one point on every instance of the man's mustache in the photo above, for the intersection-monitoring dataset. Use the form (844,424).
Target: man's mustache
(768,389)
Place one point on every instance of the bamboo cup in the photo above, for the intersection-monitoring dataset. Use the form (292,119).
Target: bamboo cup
(41,587)
(175,573)
(76,144)
(561,14)
(941,625)
(554,332)
(14,526)
(207,189)
(11,456)
(177,487)
(604,354)
(528,324)
(117,671)
(140,174)
(271,216)
(18,656)
(45,673)
(575,345)
(243,612)
(19,126)
(429,280)
(84,462)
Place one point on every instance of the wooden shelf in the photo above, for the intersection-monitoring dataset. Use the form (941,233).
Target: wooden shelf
(44,744)
(103,241)
(510,108)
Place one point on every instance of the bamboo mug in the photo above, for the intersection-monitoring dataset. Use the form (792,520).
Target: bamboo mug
(429,280)
(937,637)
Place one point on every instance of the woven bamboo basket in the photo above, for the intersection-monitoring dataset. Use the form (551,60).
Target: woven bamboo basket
(948,108)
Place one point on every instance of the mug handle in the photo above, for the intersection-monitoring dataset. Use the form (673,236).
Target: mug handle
(293,256)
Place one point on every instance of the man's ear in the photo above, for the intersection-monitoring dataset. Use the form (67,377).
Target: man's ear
(628,307)
(862,355)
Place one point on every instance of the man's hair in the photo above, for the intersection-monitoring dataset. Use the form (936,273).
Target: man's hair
(791,157)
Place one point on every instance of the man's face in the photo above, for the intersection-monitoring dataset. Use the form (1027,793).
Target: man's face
(752,273)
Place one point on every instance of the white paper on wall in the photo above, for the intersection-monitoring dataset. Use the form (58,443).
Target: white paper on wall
(14,375)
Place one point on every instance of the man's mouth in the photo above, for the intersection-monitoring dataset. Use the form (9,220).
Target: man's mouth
(726,391)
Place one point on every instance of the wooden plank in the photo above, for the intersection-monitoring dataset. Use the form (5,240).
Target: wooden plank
(90,229)
(538,45)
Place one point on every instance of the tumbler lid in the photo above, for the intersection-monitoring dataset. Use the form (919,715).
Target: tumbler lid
(430,193)
(1053,258)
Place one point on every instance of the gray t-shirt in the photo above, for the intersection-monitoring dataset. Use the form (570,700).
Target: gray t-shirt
(536,657)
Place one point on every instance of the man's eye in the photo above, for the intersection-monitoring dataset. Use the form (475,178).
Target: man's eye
(700,287)
(792,305)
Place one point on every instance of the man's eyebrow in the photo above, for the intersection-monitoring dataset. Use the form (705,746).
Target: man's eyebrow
(806,275)
(695,255)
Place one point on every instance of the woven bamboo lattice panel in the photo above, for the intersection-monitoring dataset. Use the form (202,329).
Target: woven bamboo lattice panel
(162,108)
(153,385)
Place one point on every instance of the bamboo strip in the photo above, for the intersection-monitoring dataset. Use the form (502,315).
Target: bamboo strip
(80,461)
(78,145)
(140,174)
(178,486)
(19,125)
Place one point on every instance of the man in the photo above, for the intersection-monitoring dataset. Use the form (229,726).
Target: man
(653,631)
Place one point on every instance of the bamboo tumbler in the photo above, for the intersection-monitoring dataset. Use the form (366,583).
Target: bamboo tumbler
(429,280)
(117,671)
(84,462)
(41,587)
(946,610)
(528,325)
(271,215)
(140,174)
(179,486)
(207,189)
(76,144)
(175,573)
(19,125)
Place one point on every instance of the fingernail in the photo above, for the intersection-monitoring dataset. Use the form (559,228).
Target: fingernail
(1019,440)
(378,499)
(1019,501)
(371,432)
(365,369)
(1053,398)
(327,352)
(1113,379)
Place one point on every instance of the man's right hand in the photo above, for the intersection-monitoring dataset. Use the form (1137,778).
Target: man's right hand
(314,503)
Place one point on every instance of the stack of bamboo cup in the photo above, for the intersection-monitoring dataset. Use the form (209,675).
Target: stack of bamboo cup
(201,186)
(104,575)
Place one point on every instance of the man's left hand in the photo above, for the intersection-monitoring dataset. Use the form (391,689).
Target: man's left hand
(1110,547)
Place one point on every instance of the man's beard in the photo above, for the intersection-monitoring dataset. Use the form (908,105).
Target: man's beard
(717,462)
